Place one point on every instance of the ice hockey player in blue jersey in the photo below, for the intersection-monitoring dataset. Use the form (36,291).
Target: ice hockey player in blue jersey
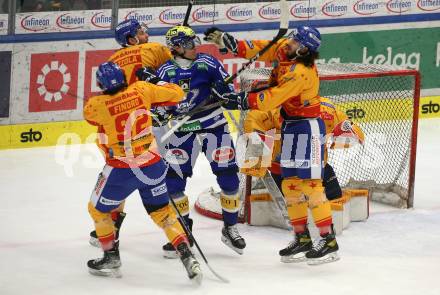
(205,132)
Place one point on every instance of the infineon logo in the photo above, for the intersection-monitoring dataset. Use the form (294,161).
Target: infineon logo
(428,5)
(239,14)
(204,15)
(366,7)
(333,9)
(34,24)
(171,18)
(140,17)
(302,10)
(101,20)
(270,11)
(69,22)
(398,6)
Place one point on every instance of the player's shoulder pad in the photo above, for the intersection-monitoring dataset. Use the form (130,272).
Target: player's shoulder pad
(209,60)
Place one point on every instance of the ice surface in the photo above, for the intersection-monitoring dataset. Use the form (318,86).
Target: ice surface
(44,227)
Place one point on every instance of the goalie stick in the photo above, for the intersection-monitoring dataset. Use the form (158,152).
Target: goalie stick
(284,26)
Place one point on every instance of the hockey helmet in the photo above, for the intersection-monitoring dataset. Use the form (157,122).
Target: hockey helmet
(110,77)
(307,36)
(182,36)
(128,28)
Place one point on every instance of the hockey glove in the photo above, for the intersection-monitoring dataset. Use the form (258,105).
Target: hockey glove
(223,40)
(235,101)
(148,75)
(160,116)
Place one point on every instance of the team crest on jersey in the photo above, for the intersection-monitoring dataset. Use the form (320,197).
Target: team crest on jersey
(261,97)
(171,73)
(202,66)
(185,84)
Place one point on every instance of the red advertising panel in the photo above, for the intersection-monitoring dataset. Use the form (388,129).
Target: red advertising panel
(93,59)
(53,81)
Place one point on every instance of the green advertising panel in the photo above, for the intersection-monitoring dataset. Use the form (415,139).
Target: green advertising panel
(412,48)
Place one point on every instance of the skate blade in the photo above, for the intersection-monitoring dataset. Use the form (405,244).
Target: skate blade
(112,273)
(296,258)
(94,242)
(170,254)
(332,257)
(198,276)
(228,243)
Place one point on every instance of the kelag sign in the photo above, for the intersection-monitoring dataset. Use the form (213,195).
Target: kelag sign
(5,74)
(417,49)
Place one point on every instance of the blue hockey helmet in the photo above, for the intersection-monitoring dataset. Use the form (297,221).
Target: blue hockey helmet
(110,76)
(125,29)
(308,37)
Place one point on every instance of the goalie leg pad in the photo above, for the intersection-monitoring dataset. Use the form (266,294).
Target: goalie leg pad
(166,219)
(104,227)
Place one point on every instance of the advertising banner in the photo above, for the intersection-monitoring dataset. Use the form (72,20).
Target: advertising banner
(5,85)
(53,81)
(233,13)
(62,21)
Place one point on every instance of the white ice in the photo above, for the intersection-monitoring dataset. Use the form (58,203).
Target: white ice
(44,228)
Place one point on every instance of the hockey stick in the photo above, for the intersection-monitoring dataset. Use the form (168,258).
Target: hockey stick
(284,26)
(191,236)
(188,13)
(278,197)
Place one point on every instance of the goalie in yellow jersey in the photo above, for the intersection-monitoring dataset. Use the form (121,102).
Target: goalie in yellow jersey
(136,53)
(295,89)
(123,119)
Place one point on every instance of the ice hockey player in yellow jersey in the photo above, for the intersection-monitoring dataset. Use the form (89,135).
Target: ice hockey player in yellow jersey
(341,133)
(136,53)
(295,89)
(122,116)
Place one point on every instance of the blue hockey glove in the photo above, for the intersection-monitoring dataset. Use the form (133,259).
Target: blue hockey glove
(148,75)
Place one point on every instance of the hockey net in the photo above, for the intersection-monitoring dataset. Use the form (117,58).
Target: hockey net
(384,102)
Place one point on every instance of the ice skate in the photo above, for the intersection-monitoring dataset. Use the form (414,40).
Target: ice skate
(107,266)
(297,249)
(232,238)
(191,265)
(325,251)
